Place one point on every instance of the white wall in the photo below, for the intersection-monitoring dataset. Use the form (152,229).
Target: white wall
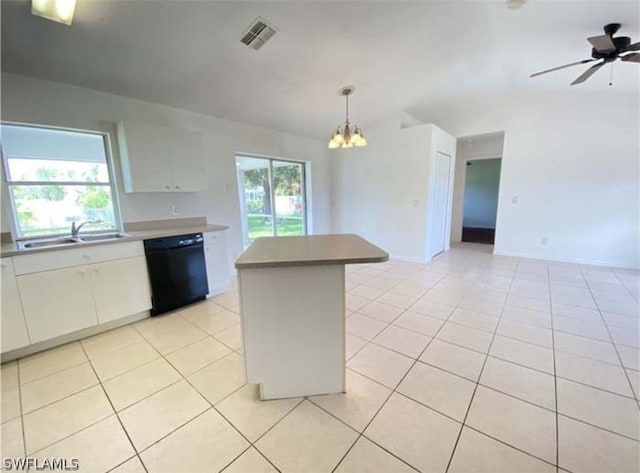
(381,191)
(31,100)
(482,179)
(572,159)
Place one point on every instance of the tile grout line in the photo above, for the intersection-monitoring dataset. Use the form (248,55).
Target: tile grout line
(477,383)
(615,347)
(394,390)
(527,401)
(54,372)
(404,310)
(184,378)
(506,394)
(213,407)
(521,341)
(555,371)
(24,436)
(125,461)
(372,341)
(366,343)
(104,391)
(360,434)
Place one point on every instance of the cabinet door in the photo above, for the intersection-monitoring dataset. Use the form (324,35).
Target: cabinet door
(215,255)
(120,288)
(145,157)
(187,163)
(14,329)
(57,302)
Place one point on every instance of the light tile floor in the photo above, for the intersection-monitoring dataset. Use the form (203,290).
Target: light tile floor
(472,363)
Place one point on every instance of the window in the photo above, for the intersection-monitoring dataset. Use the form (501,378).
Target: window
(272,197)
(55,177)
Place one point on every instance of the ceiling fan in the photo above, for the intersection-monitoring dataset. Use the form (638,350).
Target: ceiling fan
(606,49)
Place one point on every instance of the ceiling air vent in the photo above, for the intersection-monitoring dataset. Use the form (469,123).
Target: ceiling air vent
(258,33)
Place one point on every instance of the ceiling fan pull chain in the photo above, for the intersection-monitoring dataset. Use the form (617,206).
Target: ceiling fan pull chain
(611,75)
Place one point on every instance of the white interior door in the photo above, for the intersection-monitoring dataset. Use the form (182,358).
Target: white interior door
(440,196)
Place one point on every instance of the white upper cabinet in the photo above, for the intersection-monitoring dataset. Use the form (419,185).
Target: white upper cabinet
(144,153)
(187,164)
(157,158)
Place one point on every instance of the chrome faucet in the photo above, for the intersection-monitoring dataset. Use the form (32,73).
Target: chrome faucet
(75,230)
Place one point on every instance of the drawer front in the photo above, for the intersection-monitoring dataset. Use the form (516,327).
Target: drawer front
(102,253)
(76,256)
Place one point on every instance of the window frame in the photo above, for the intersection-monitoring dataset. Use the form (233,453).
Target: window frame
(306,193)
(7,184)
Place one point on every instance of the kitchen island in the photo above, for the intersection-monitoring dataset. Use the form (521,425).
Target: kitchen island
(292,306)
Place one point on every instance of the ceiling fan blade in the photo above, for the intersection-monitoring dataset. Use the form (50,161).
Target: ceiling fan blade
(584,61)
(588,73)
(603,44)
(633,47)
(635,57)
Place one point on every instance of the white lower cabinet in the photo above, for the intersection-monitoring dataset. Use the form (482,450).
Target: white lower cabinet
(70,290)
(57,302)
(216,259)
(120,288)
(13,327)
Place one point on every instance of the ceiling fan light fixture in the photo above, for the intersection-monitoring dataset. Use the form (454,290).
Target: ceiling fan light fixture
(60,11)
(349,135)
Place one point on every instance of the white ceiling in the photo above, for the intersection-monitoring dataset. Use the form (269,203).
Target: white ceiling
(400,56)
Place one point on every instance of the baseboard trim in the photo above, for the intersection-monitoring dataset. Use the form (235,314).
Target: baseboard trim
(409,259)
(71,337)
(216,291)
(604,263)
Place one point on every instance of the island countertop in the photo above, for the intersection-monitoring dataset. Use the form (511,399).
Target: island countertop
(311,250)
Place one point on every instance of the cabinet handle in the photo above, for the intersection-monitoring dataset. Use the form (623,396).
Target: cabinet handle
(177,187)
(167,187)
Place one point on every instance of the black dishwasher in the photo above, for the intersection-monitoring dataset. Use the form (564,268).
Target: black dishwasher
(177,271)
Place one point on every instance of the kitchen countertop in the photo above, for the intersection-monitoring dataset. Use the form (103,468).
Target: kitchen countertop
(310,250)
(12,249)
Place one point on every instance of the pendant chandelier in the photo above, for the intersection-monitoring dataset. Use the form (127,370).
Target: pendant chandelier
(349,135)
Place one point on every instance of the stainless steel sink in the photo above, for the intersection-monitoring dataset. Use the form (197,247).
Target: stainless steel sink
(49,242)
(52,242)
(103,236)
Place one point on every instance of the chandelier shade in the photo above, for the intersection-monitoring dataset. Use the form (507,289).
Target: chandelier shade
(348,135)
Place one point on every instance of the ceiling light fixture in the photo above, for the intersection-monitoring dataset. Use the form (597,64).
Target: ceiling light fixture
(515,4)
(349,135)
(55,10)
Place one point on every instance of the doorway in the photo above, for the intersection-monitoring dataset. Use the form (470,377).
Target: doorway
(441,191)
(476,188)
(480,206)
(272,197)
